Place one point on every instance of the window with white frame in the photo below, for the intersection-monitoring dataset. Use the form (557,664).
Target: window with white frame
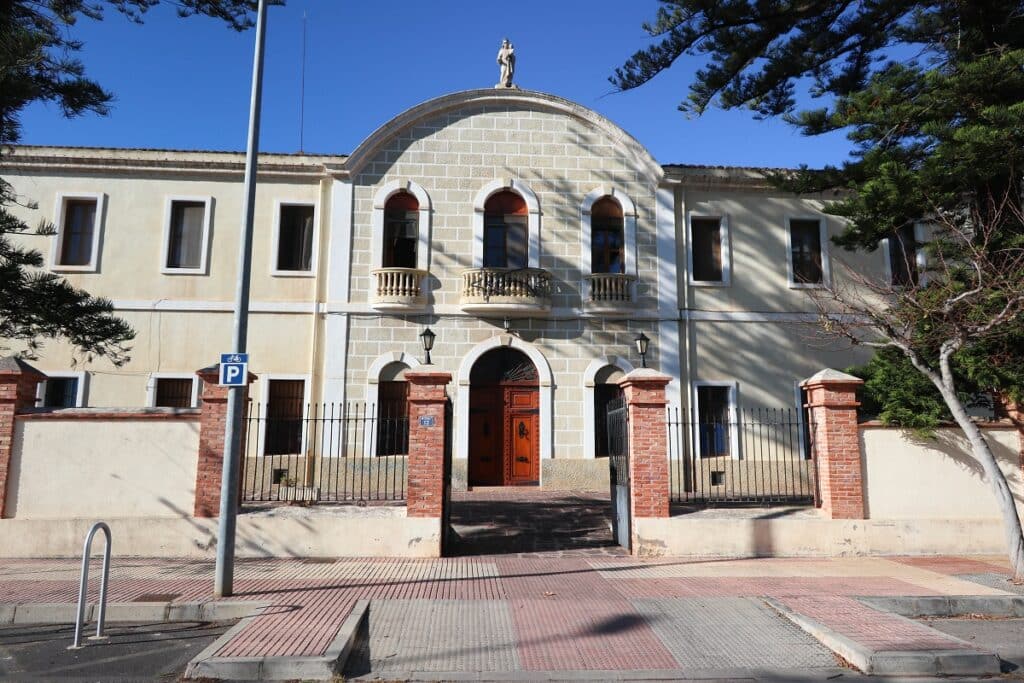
(903,255)
(607,237)
(295,243)
(174,391)
(506,231)
(61,390)
(78,228)
(401,230)
(285,401)
(807,263)
(708,240)
(186,235)
(393,410)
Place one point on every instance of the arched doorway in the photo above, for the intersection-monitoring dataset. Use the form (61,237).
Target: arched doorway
(504,420)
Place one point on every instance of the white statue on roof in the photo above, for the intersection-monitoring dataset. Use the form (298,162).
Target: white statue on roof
(507,62)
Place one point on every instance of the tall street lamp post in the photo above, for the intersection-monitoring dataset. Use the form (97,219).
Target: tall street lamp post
(224,573)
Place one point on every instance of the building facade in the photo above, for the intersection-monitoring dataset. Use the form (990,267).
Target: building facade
(533,236)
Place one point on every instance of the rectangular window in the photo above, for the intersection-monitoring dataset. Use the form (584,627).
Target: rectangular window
(903,257)
(805,252)
(186,235)
(60,392)
(706,237)
(285,400)
(173,392)
(77,232)
(295,238)
(713,425)
(393,418)
(505,242)
(401,234)
(608,248)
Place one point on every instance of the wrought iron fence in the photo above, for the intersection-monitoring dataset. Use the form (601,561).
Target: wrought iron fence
(759,455)
(327,453)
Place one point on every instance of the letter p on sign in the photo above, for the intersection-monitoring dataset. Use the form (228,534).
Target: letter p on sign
(234,369)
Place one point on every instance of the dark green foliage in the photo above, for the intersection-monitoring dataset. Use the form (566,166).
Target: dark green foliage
(37,63)
(931,95)
(897,394)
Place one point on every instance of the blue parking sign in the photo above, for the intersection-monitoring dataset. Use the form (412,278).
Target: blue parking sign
(234,369)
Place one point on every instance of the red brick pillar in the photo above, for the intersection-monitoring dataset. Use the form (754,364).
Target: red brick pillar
(648,442)
(18,382)
(212,420)
(425,471)
(832,404)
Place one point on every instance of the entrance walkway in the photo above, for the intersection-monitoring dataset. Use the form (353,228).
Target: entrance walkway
(512,520)
(603,617)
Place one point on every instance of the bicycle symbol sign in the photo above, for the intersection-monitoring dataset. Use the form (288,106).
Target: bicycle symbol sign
(234,369)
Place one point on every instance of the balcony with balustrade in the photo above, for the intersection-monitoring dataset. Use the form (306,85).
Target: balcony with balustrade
(609,292)
(398,289)
(515,293)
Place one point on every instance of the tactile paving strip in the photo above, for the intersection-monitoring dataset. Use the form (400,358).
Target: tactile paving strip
(726,633)
(433,635)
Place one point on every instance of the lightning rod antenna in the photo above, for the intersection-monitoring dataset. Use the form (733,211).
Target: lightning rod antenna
(302,89)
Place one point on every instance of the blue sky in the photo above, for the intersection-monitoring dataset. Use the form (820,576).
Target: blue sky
(184,84)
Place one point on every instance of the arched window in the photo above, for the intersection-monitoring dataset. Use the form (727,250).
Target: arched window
(393,410)
(607,237)
(401,231)
(506,235)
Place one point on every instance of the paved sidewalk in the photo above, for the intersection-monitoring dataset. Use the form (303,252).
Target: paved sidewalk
(548,612)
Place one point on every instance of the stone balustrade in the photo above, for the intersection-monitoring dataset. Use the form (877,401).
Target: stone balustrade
(398,289)
(609,291)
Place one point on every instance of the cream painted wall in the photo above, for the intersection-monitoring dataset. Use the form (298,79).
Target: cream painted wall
(67,469)
(758,234)
(133,233)
(907,478)
(767,359)
(183,342)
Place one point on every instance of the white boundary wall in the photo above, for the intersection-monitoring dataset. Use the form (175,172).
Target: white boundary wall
(937,478)
(90,468)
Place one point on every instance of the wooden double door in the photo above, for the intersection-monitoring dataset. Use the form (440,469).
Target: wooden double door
(504,435)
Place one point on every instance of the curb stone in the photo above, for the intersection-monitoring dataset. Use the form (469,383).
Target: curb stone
(968,661)
(322,668)
(64,613)
(949,605)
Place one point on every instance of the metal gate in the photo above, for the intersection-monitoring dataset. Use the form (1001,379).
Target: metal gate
(618,470)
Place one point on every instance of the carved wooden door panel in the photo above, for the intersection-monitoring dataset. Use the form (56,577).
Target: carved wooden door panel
(485,437)
(522,422)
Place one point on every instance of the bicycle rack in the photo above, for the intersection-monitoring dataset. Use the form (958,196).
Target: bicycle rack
(83,586)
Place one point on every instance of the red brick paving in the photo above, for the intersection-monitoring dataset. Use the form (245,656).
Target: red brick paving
(877,630)
(954,565)
(587,621)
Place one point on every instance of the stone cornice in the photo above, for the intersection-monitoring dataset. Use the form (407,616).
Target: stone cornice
(129,162)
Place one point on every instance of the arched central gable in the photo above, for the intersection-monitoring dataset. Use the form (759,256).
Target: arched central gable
(627,145)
